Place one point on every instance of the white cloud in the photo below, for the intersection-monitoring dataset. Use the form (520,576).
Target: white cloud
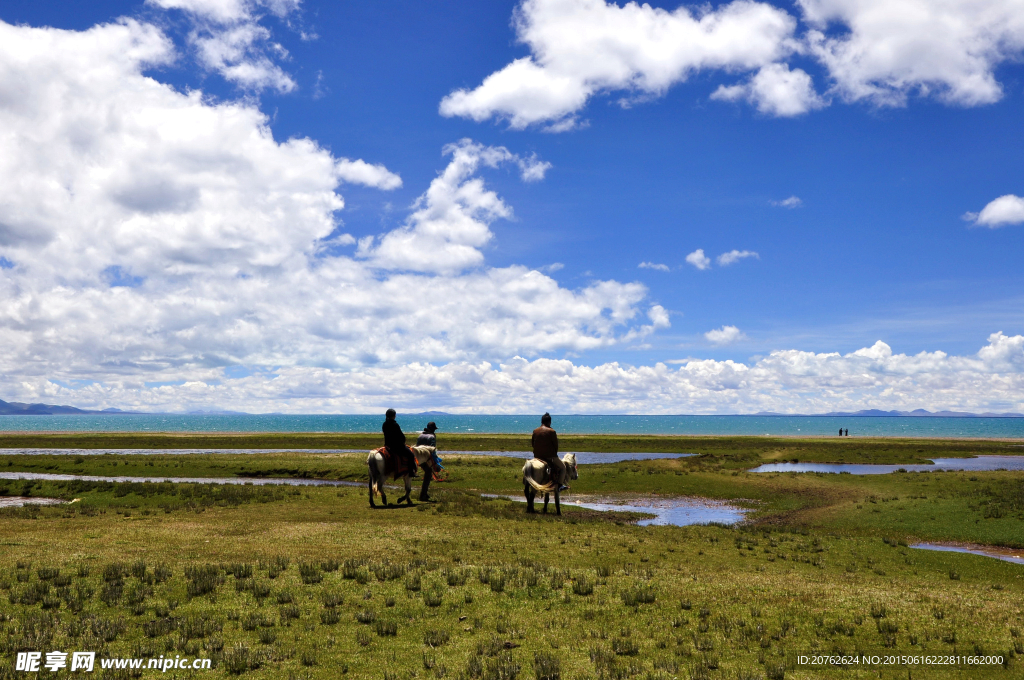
(150,235)
(791,202)
(653,265)
(732,256)
(1008,209)
(583,47)
(726,335)
(884,50)
(875,50)
(787,381)
(531,169)
(699,260)
(451,220)
(361,172)
(775,91)
(659,316)
(228,38)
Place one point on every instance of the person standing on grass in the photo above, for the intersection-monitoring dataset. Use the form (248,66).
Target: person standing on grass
(428,438)
(394,441)
(545,448)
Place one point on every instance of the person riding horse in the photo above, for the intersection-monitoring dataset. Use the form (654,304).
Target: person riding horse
(394,442)
(545,448)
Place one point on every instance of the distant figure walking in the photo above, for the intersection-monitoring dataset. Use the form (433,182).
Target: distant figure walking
(847,433)
(840,432)
(545,448)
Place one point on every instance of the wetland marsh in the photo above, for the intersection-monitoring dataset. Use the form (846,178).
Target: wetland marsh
(272,581)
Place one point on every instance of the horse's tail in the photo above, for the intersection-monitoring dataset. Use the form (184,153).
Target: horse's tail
(528,471)
(376,476)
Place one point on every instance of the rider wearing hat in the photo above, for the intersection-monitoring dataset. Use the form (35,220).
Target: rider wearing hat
(427,438)
(545,448)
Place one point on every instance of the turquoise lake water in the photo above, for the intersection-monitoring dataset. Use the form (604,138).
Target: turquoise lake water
(694,425)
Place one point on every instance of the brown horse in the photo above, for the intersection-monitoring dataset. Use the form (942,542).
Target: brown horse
(537,477)
(425,459)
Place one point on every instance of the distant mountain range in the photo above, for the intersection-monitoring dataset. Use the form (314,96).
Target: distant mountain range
(15,408)
(917,413)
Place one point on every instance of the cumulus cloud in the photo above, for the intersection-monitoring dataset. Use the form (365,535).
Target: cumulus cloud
(654,265)
(725,335)
(151,235)
(880,51)
(699,260)
(582,47)
(451,220)
(776,91)
(884,50)
(228,38)
(786,381)
(361,172)
(1008,209)
(732,256)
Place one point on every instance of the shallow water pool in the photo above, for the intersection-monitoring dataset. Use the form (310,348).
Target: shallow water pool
(673,511)
(19,501)
(259,481)
(978,464)
(1015,555)
(678,512)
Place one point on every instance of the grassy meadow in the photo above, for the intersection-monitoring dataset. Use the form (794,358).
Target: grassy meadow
(308,582)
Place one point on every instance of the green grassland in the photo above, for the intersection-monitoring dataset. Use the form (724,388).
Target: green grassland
(290,582)
(735,451)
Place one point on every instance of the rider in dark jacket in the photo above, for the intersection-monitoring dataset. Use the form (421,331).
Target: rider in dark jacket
(545,448)
(428,438)
(394,441)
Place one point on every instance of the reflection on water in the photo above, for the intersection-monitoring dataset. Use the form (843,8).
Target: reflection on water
(979,463)
(18,501)
(1014,555)
(582,457)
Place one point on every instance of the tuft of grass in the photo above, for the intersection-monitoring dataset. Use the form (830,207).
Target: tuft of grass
(435,637)
(310,574)
(385,628)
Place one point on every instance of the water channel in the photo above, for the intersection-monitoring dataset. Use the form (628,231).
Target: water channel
(977,464)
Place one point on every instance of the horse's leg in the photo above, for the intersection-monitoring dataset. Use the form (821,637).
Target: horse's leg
(558,505)
(547,496)
(408,490)
(530,495)
(380,483)
(428,474)
(370,466)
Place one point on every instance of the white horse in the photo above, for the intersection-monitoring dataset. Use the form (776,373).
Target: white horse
(424,459)
(537,478)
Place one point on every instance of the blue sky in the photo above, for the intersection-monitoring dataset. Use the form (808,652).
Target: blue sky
(882,156)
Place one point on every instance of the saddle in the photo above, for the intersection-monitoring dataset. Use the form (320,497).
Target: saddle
(396,466)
